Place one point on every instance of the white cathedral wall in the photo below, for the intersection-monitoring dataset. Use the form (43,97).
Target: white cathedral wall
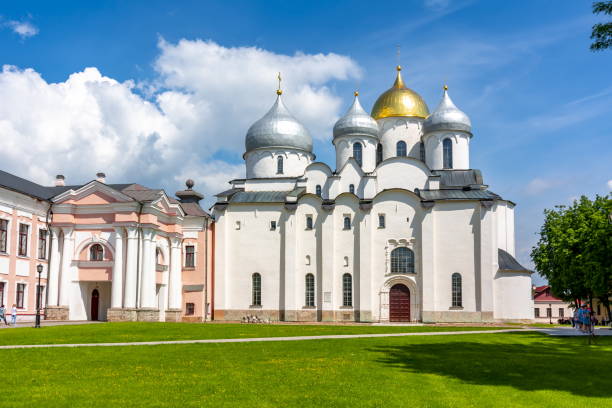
(318,174)
(434,150)
(284,184)
(394,129)
(350,174)
(513,300)
(262,163)
(344,151)
(402,172)
(504,212)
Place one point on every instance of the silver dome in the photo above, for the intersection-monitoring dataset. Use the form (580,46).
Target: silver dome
(447,117)
(278,128)
(356,121)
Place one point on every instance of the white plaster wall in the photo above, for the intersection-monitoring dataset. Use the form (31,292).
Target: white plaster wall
(395,129)
(4,265)
(286,184)
(307,244)
(80,301)
(350,174)
(22,267)
(344,150)
(263,163)
(402,172)
(513,296)
(434,150)
(345,243)
(318,174)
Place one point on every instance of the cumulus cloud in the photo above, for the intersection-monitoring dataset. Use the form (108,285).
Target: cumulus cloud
(24,29)
(197,109)
(610,185)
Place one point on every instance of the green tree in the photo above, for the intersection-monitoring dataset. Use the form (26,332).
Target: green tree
(574,252)
(602,32)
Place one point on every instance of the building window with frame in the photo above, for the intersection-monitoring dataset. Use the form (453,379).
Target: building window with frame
(42,244)
(272,225)
(352,188)
(23,239)
(402,260)
(357,153)
(379,154)
(318,190)
(347,222)
(537,312)
(40,291)
(256,290)
(561,314)
(400,148)
(447,154)
(189,309)
(457,300)
(310,290)
(381,220)
(279,165)
(21,287)
(2,289)
(347,290)
(3,236)
(309,222)
(189,256)
(548,312)
(422,151)
(96,253)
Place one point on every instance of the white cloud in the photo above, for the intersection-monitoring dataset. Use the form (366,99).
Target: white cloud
(24,29)
(610,185)
(539,185)
(197,110)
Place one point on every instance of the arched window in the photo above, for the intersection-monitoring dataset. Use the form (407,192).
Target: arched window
(457,301)
(318,190)
(352,188)
(256,290)
(357,152)
(96,253)
(402,260)
(310,290)
(379,152)
(447,151)
(422,151)
(309,222)
(279,165)
(401,149)
(347,290)
(347,223)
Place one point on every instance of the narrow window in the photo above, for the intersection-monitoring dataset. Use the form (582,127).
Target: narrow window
(23,239)
(561,312)
(381,220)
(20,295)
(447,149)
(347,290)
(401,148)
(456,289)
(347,223)
(402,260)
(357,149)
(309,222)
(318,190)
(3,235)
(42,244)
(307,259)
(352,188)
(96,252)
(310,290)
(379,154)
(422,151)
(548,312)
(537,312)
(189,309)
(256,290)
(272,225)
(2,286)
(279,165)
(189,256)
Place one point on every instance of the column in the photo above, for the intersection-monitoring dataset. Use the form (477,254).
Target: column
(487,262)
(131,268)
(54,268)
(290,289)
(174,278)
(428,267)
(66,275)
(328,266)
(147,276)
(117,284)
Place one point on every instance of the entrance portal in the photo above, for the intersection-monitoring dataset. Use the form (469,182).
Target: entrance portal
(399,303)
(95,300)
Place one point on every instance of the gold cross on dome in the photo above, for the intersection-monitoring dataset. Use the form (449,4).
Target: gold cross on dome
(279,91)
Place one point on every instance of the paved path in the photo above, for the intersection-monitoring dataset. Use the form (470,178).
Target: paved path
(571,332)
(254,339)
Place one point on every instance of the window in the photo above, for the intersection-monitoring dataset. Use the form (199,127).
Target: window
(379,154)
(279,165)
(347,223)
(309,222)
(560,312)
(352,188)
(2,286)
(96,252)
(3,235)
(422,151)
(256,290)
(381,220)
(318,190)
(189,256)
(310,290)
(307,259)
(402,260)
(598,309)
(548,312)
(20,295)
(272,225)
(40,290)
(537,312)
(23,239)
(42,244)
(401,149)
(357,149)
(347,290)
(456,289)
(447,149)
(189,309)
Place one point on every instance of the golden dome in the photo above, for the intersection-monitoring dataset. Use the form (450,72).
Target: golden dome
(399,101)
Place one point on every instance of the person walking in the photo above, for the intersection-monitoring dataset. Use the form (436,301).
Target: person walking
(3,314)
(14,315)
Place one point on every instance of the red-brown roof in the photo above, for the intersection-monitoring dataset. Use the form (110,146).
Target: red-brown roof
(543,294)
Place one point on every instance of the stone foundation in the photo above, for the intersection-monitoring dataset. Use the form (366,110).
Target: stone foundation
(56,313)
(457,316)
(121,315)
(301,315)
(237,315)
(173,315)
(147,315)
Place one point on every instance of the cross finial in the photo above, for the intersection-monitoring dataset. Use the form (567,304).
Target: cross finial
(279,91)
(445,87)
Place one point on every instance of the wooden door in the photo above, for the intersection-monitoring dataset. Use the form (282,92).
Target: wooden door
(399,303)
(95,300)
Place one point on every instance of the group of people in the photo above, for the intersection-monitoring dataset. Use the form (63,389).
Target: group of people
(13,315)
(253,319)
(584,319)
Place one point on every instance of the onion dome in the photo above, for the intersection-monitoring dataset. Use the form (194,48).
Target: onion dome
(447,117)
(399,101)
(356,121)
(278,128)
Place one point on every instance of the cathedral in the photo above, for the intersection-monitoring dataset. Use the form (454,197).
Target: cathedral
(402,230)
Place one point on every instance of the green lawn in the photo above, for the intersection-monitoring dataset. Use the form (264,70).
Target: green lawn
(472,370)
(130,332)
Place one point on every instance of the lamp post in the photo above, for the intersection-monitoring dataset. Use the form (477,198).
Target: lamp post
(549,313)
(39,269)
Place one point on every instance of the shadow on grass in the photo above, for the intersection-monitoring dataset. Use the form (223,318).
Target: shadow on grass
(534,362)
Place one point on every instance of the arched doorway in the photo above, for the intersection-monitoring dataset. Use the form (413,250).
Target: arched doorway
(399,303)
(95,302)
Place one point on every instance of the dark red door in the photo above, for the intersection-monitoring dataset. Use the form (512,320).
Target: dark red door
(399,303)
(95,299)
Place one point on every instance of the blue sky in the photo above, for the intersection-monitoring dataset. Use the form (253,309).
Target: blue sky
(539,100)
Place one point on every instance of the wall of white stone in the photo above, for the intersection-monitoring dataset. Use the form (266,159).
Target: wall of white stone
(392,130)
(262,163)
(434,151)
(344,150)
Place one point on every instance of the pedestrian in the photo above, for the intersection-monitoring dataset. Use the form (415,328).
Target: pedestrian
(14,315)
(3,314)
(575,319)
(585,318)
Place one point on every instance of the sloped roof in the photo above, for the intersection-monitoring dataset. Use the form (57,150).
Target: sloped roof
(458,178)
(508,263)
(259,197)
(458,195)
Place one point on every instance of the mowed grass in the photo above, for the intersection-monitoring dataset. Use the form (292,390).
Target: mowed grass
(134,332)
(524,369)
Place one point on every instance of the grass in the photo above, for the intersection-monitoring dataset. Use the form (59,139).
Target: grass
(134,332)
(494,370)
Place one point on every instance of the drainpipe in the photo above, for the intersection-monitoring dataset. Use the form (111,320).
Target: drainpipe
(139,231)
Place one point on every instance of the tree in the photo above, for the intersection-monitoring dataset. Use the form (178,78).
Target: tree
(575,250)
(602,32)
